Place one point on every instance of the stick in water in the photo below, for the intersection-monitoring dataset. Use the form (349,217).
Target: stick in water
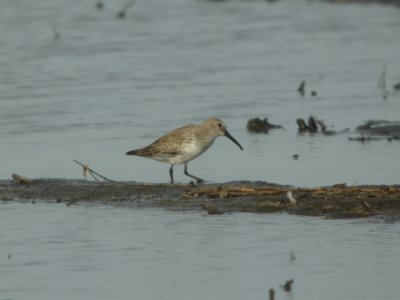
(56,34)
(122,12)
(382,83)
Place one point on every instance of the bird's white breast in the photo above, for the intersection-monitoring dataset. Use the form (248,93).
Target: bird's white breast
(190,151)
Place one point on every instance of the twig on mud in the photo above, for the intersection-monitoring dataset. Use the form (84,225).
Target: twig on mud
(232,191)
(367,206)
(91,172)
(86,170)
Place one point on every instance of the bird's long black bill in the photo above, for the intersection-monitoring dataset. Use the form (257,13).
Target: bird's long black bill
(228,135)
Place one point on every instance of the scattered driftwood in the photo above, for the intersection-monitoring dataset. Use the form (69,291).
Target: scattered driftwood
(338,201)
(303,127)
(314,125)
(233,191)
(373,130)
(380,127)
(257,125)
(377,130)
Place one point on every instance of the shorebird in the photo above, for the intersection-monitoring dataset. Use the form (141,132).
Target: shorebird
(185,144)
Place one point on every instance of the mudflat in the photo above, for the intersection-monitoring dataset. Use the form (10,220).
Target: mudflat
(337,201)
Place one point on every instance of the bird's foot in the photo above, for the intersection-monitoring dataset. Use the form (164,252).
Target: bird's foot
(194,183)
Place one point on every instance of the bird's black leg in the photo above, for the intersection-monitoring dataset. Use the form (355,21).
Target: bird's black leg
(199,180)
(171,173)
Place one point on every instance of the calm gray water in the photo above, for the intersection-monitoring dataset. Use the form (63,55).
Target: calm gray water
(106,86)
(49,251)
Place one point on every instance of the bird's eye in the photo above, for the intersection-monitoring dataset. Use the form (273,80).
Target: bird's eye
(220,125)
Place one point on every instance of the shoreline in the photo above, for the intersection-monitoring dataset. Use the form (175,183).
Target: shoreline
(337,201)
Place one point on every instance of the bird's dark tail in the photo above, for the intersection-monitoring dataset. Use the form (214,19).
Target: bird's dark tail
(132,152)
(145,152)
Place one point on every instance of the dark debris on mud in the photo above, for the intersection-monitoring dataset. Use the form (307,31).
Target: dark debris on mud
(338,201)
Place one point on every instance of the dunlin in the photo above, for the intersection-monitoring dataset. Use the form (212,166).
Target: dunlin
(184,144)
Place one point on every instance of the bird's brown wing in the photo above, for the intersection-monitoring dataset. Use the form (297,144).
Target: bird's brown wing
(169,144)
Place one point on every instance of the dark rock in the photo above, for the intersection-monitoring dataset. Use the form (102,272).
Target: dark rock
(314,125)
(256,125)
(287,287)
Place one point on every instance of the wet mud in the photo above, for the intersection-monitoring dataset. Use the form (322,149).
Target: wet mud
(338,201)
